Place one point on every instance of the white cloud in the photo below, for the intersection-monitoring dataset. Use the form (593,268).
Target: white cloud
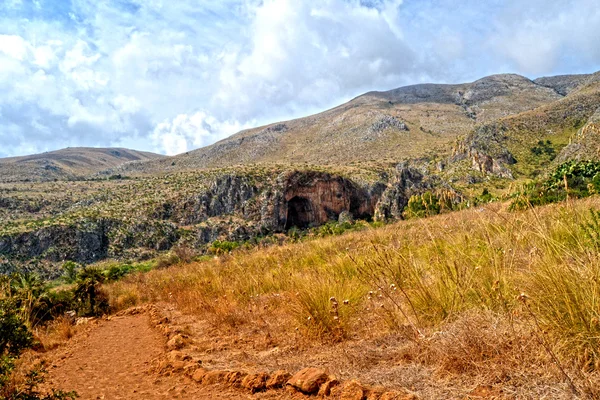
(173,76)
(13,46)
(197,130)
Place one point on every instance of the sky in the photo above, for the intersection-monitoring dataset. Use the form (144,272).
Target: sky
(170,76)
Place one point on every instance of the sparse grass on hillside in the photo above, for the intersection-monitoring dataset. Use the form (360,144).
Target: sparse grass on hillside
(526,283)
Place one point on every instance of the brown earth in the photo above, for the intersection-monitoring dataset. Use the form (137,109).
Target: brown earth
(115,359)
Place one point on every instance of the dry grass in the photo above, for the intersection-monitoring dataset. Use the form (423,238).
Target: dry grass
(493,297)
(56,333)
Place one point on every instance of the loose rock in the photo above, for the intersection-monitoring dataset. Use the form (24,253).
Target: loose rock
(255,382)
(353,390)
(325,389)
(308,380)
(176,342)
(199,374)
(214,377)
(278,379)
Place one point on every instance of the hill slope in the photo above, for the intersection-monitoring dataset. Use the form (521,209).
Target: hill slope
(68,163)
(409,122)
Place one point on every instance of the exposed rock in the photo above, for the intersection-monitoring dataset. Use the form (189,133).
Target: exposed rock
(255,382)
(199,375)
(236,378)
(325,389)
(352,390)
(308,380)
(565,84)
(383,123)
(585,145)
(375,393)
(407,182)
(486,149)
(176,342)
(278,379)
(214,377)
(177,355)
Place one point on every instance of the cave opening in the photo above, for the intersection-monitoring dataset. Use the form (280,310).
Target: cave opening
(299,213)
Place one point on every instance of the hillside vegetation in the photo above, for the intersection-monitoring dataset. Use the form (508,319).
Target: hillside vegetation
(485,296)
(409,122)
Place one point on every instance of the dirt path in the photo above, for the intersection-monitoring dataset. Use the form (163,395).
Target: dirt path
(113,361)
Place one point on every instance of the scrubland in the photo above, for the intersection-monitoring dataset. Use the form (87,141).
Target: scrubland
(484,296)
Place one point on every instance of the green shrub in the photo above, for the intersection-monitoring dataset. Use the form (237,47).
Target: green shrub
(219,247)
(116,272)
(14,338)
(89,296)
(574,179)
(70,271)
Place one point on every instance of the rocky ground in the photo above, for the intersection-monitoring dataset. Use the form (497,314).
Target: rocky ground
(143,354)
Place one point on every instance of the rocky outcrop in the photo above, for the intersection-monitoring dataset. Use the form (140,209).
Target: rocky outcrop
(485,148)
(585,145)
(406,182)
(231,207)
(227,194)
(311,198)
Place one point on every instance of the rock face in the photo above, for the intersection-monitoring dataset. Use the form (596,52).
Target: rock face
(317,198)
(486,149)
(406,182)
(233,207)
(585,145)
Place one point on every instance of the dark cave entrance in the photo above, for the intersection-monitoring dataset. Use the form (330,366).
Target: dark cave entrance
(299,213)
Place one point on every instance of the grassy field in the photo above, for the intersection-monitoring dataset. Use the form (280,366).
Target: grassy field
(504,298)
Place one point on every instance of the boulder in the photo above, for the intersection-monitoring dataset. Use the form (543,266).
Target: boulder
(176,342)
(255,382)
(278,379)
(325,389)
(199,374)
(214,377)
(353,390)
(308,380)
(235,378)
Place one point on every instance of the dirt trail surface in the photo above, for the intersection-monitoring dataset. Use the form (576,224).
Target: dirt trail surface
(114,361)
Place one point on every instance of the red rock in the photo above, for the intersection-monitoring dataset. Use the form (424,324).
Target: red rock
(235,378)
(176,342)
(309,380)
(353,390)
(199,374)
(213,377)
(278,379)
(325,389)
(255,382)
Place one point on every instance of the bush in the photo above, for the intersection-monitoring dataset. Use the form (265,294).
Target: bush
(14,338)
(70,271)
(167,261)
(219,247)
(430,203)
(91,299)
(575,179)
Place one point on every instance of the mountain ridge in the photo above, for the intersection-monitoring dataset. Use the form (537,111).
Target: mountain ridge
(68,163)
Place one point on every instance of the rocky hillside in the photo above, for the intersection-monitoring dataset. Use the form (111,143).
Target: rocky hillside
(405,123)
(528,143)
(136,218)
(364,159)
(70,163)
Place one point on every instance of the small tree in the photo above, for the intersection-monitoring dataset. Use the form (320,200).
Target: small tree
(88,293)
